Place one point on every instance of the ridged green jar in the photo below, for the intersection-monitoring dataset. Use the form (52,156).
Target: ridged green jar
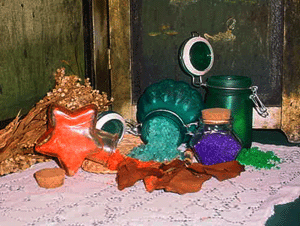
(174,101)
(233,92)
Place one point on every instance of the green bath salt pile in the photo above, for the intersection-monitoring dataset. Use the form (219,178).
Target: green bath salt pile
(257,158)
(162,142)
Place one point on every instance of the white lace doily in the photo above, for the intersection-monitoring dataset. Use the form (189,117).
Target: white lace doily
(93,199)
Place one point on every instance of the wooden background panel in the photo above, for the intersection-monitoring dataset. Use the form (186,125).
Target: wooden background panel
(35,36)
(291,75)
(119,32)
(252,49)
(101,46)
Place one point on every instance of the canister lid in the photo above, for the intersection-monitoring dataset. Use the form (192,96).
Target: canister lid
(196,56)
(229,81)
(111,122)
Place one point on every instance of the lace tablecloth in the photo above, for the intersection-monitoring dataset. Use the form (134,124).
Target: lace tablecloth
(93,199)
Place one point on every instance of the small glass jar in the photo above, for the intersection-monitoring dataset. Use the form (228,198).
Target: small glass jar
(215,142)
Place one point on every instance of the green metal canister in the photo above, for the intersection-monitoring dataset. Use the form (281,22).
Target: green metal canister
(235,93)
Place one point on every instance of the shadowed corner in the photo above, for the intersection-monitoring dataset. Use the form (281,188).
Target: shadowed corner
(271,136)
(286,214)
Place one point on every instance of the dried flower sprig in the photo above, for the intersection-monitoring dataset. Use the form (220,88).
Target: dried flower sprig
(18,139)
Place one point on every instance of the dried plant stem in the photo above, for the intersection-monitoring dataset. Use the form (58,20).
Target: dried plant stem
(18,139)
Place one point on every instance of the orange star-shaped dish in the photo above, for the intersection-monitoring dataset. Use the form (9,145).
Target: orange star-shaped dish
(70,136)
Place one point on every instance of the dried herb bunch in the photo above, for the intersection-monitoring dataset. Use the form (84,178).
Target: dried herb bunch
(18,139)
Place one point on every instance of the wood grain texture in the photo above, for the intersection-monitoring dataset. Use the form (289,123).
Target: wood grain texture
(101,46)
(119,22)
(291,72)
(35,36)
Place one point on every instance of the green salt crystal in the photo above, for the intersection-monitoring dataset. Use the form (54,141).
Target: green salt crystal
(162,142)
(257,158)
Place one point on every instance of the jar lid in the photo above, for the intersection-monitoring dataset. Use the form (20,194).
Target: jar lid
(196,56)
(216,115)
(229,81)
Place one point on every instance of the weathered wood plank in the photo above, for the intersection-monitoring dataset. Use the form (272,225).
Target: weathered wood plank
(291,72)
(35,36)
(119,23)
(101,46)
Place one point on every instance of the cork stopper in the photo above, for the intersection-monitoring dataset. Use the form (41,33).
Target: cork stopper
(216,115)
(50,177)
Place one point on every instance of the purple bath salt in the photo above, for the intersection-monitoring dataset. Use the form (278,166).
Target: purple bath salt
(215,148)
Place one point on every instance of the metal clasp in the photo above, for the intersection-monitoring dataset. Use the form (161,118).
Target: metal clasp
(191,128)
(133,128)
(195,34)
(259,106)
(197,81)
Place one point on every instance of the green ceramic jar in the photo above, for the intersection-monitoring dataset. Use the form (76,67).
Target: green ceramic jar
(175,101)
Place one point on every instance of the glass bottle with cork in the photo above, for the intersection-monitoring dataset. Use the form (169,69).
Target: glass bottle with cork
(215,141)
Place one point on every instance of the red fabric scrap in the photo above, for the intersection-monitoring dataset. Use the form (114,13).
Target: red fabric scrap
(175,176)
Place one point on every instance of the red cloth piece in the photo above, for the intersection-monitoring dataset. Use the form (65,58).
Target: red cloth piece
(100,156)
(109,160)
(131,170)
(70,136)
(112,160)
(176,176)
(221,171)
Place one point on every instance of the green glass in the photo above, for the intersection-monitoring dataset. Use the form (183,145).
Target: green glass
(114,127)
(200,56)
(111,122)
(233,92)
(175,100)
